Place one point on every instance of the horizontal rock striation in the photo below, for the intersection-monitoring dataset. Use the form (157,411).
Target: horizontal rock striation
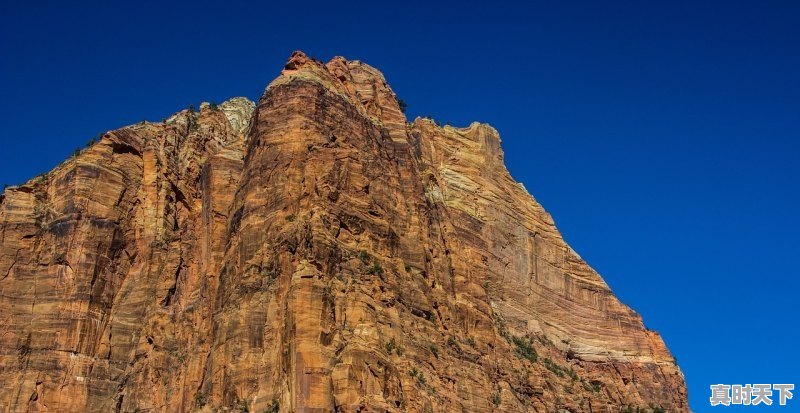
(315,252)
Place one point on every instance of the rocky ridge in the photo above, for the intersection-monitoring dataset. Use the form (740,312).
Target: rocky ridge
(315,252)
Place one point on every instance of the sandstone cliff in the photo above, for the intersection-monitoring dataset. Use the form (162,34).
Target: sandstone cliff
(315,252)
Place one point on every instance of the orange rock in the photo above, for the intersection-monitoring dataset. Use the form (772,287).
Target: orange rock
(313,253)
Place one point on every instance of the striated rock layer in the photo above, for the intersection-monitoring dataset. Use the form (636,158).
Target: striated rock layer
(313,253)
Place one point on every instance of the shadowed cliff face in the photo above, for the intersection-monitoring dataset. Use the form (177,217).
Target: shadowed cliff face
(313,253)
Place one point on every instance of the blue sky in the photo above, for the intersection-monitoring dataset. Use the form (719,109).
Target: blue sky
(662,136)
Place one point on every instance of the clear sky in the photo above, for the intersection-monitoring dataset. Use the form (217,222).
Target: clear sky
(662,136)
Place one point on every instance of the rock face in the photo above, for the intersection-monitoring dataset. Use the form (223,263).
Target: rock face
(313,253)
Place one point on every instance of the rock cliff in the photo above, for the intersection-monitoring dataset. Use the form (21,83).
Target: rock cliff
(313,252)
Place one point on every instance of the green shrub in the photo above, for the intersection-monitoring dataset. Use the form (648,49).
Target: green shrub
(375,269)
(402,104)
(242,406)
(572,374)
(501,327)
(391,346)
(588,387)
(417,375)
(275,407)
(525,348)
(199,399)
(434,349)
(555,368)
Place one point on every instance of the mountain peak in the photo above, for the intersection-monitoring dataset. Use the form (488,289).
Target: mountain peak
(313,252)
(359,83)
(297,60)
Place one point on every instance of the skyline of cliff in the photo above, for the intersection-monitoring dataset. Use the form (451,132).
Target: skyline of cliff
(660,137)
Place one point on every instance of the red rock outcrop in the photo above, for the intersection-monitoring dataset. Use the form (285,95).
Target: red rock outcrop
(313,253)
